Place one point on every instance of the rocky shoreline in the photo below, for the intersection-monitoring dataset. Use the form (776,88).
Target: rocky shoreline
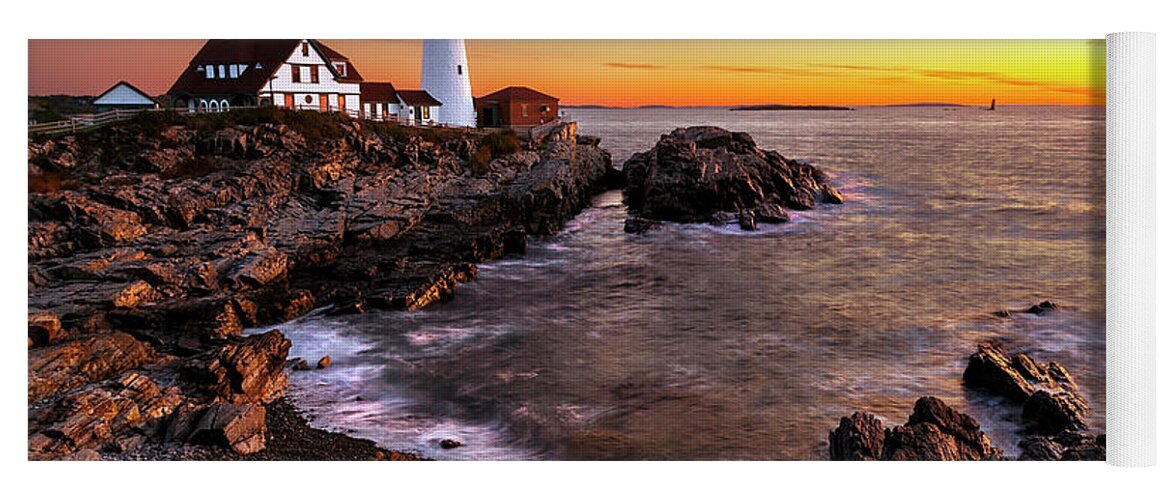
(154,244)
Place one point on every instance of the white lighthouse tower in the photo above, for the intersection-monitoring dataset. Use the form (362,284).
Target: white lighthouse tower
(445,77)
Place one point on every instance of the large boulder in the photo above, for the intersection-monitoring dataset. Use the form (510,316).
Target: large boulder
(239,427)
(248,370)
(695,173)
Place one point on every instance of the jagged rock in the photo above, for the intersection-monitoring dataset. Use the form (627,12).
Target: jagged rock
(135,294)
(44,328)
(1064,446)
(239,427)
(119,414)
(1052,413)
(693,173)
(299,364)
(990,368)
(324,362)
(262,268)
(934,431)
(185,237)
(448,444)
(74,363)
(858,437)
(248,370)
(771,213)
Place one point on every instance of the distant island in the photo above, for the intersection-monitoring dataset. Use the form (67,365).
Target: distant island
(645,106)
(789,107)
(926,105)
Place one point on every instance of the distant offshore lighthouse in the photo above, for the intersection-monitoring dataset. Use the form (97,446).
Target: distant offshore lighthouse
(445,77)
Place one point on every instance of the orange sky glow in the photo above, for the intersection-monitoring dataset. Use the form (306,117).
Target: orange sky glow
(668,72)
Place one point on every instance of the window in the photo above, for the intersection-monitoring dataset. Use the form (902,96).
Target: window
(309,99)
(341,69)
(296,73)
(224,105)
(305,49)
(313,76)
(459,68)
(426,112)
(524,110)
(234,71)
(222,72)
(210,72)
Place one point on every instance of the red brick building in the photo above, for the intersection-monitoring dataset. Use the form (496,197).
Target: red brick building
(516,107)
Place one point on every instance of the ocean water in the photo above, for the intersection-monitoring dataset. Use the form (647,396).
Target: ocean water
(703,342)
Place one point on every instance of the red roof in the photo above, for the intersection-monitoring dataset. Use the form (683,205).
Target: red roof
(262,58)
(378,92)
(518,94)
(418,98)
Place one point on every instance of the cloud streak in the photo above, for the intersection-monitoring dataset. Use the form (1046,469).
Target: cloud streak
(622,65)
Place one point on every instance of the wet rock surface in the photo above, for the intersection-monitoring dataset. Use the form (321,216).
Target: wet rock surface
(695,173)
(1048,399)
(167,240)
(934,431)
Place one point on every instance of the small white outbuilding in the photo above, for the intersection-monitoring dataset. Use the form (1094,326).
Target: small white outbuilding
(123,95)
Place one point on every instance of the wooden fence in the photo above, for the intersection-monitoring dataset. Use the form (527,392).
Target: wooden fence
(84,122)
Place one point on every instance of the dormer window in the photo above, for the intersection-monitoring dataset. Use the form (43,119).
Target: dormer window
(210,70)
(341,68)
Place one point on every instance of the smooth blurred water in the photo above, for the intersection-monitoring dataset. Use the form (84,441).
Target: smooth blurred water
(701,342)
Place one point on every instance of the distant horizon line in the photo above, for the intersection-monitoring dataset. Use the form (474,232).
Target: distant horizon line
(681,106)
(894,105)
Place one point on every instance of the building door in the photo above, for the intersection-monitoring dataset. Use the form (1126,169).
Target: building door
(341,103)
(289,103)
(323,104)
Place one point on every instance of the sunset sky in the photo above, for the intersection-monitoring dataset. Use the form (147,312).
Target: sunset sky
(670,72)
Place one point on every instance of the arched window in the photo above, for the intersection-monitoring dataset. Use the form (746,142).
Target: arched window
(224,105)
(202,105)
(213,106)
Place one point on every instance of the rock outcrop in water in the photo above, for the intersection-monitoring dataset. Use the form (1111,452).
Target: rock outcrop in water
(154,244)
(1052,406)
(698,174)
(934,431)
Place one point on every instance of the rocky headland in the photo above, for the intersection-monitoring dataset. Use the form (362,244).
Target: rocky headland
(1048,399)
(711,175)
(155,243)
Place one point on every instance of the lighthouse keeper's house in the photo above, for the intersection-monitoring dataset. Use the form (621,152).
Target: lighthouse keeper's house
(300,74)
